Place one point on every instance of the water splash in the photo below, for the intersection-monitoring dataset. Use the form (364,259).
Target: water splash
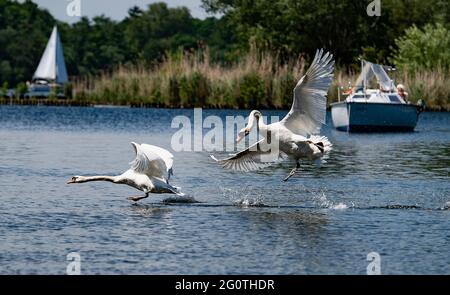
(320,199)
(340,206)
(446,206)
(244,198)
(246,202)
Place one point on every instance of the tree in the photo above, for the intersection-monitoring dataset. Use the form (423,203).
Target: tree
(158,29)
(293,27)
(24,31)
(423,49)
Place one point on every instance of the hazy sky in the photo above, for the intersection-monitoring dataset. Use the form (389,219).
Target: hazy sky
(116,9)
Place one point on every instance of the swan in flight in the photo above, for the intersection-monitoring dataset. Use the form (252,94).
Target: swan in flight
(296,135)
(150,172)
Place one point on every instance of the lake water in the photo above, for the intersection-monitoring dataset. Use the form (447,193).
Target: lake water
(387,193)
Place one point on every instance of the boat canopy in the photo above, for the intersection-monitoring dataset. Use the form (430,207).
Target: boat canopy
(52,67)
(370,70)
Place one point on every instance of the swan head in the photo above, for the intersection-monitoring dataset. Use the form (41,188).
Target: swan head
(243,133)
(254,115)
(135,145)
(76,179)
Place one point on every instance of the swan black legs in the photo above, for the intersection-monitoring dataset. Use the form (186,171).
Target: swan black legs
(293,171)
(135,199)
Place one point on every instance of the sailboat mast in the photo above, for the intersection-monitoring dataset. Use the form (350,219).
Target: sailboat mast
(364,80)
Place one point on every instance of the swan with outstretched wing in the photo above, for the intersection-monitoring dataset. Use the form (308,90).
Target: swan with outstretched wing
(149,172)
(296,136)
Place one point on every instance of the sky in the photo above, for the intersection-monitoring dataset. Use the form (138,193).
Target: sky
(115,9)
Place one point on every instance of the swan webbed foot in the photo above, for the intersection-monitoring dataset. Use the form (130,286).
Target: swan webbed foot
(136,199)
(292,173)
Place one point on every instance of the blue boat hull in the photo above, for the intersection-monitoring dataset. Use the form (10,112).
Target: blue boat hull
(374,117)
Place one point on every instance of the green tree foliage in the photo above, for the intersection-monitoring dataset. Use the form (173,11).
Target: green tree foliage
(24,30)
(93,45)
(21,89)
(425,49)
(342,26)
(4,89)
(157,29)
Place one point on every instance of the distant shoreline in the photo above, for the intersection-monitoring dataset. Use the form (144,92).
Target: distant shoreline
(83,103)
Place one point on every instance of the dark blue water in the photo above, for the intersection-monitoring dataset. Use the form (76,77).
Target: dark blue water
(387,193)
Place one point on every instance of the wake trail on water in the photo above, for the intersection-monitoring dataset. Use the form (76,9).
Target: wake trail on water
(180,200)
(247,203)
(247,197)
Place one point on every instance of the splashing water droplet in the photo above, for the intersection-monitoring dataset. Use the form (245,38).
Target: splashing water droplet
(245,197)
(446,206)
(340,206)
(322,201)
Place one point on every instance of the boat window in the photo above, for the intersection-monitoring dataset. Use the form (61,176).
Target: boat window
(359,96)
(394,98)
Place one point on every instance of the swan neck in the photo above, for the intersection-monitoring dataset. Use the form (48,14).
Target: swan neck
(113,179)
(258,120)
(261,124)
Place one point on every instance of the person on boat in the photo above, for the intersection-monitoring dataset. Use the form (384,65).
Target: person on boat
(402,93)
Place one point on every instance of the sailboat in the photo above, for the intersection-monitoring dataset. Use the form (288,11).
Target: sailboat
(374,110)
(51,73)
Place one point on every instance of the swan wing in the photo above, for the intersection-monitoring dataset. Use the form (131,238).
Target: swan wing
(309,106)
(152,161)
(253,158)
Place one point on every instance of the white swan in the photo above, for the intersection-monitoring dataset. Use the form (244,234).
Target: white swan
(296,132)
(150,172)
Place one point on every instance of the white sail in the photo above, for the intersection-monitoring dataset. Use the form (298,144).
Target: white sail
(52,67)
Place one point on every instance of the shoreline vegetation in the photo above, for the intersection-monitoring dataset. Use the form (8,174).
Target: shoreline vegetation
(257,80)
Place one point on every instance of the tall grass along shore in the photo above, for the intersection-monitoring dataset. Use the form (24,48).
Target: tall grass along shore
(257,80)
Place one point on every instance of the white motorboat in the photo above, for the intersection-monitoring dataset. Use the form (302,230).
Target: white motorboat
(366,110)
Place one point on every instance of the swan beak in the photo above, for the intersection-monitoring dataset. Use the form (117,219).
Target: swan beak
(242,134)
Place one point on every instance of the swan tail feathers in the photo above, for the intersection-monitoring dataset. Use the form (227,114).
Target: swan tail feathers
(322,143)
